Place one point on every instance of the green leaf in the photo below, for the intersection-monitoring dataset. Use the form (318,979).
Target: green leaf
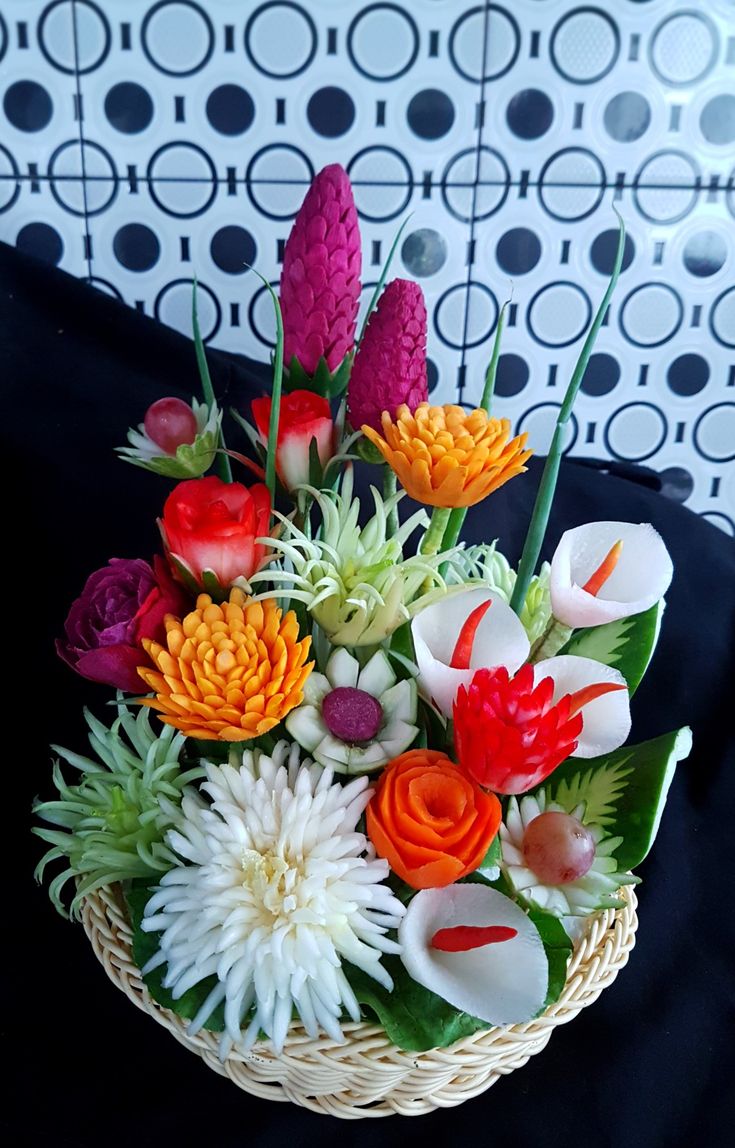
(639,802)
(626,644)
(547,486)
(328,384)
(145,946)
(598,788)
(558,948)
(222,463)
(413,1017)
(489,867)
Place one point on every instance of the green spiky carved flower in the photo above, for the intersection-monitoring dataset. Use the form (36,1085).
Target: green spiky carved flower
(354,581)
(191,459)
(483,563)
(113,821)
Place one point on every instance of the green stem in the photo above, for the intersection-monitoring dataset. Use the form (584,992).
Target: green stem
(221,462)
(554,638)
(458,515)
(270,459)
(545,496)
(492,367)
(389,489)
(431,543)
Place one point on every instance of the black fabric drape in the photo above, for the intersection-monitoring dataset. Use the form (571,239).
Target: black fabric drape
(650,1064)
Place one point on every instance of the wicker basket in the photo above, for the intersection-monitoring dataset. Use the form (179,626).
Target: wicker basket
(368,1075)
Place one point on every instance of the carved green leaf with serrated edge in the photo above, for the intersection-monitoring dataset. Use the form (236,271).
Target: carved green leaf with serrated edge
(626,644)
(597,788)
(629,785)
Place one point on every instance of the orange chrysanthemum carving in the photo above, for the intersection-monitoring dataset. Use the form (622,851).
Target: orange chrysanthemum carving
(230,672)
(447,456)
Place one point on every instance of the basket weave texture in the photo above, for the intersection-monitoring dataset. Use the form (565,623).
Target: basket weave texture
(368,1075)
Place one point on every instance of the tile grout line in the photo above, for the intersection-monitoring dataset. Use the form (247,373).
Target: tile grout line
(473,210)
(80,112)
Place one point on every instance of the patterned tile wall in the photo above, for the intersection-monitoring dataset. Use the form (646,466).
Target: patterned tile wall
(142,141)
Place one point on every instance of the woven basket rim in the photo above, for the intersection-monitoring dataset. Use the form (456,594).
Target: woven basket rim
(309,1065)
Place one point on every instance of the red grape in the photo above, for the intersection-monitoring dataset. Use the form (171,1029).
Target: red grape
(558,848)
(169,422)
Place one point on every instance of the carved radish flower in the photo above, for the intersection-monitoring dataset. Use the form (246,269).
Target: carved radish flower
(608,570)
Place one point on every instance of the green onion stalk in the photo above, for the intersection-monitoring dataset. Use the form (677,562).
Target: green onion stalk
(544,498)
(222,462)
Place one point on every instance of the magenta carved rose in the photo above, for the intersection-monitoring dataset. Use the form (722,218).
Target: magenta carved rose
(120,605)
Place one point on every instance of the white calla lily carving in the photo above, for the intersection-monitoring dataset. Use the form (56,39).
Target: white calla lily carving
(608,570)
(498,640)
(501,982)
(605,716)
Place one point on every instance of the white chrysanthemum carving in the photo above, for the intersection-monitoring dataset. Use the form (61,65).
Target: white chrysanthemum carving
(275,889)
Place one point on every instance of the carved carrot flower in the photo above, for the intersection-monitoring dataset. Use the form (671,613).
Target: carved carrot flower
(447,456)
(228,672)
(390,366)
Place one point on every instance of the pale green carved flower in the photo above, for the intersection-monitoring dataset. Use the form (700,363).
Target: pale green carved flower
(112,823)
(353,580)
(483,563)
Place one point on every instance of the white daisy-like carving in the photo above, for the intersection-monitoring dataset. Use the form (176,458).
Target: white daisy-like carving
(565,864)
(275,889)
(355,720)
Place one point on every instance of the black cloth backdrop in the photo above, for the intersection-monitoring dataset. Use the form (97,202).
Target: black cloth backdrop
(651,1063)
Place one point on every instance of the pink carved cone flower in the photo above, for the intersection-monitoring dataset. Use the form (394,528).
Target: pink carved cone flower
(390,366)
(320,279)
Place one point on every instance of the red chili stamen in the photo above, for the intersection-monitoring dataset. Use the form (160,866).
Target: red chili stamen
(589,693)
(466,640)
(462,938)
(594,584)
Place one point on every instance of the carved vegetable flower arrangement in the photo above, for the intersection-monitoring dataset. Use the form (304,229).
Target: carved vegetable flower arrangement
(357,759)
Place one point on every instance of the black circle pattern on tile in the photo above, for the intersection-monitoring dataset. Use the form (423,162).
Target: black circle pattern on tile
(232,248)
(383,42)
(230,109)
(136,247)
(424,252)
(128,107)
(717,120)
(42,241)
(432,375)
(602,374)
(81,52)
(714,433)
(530,114)
(430,114)
(585,45)
(185,51)
(518,251)
(331,112)
(470,40)
(705,253)
(688,374)
(403,102)
(676,483)
(512,375)
(28,106)
(604,249)
(627,116)
(279,15)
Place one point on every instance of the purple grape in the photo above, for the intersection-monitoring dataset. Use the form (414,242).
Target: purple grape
(558,848)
